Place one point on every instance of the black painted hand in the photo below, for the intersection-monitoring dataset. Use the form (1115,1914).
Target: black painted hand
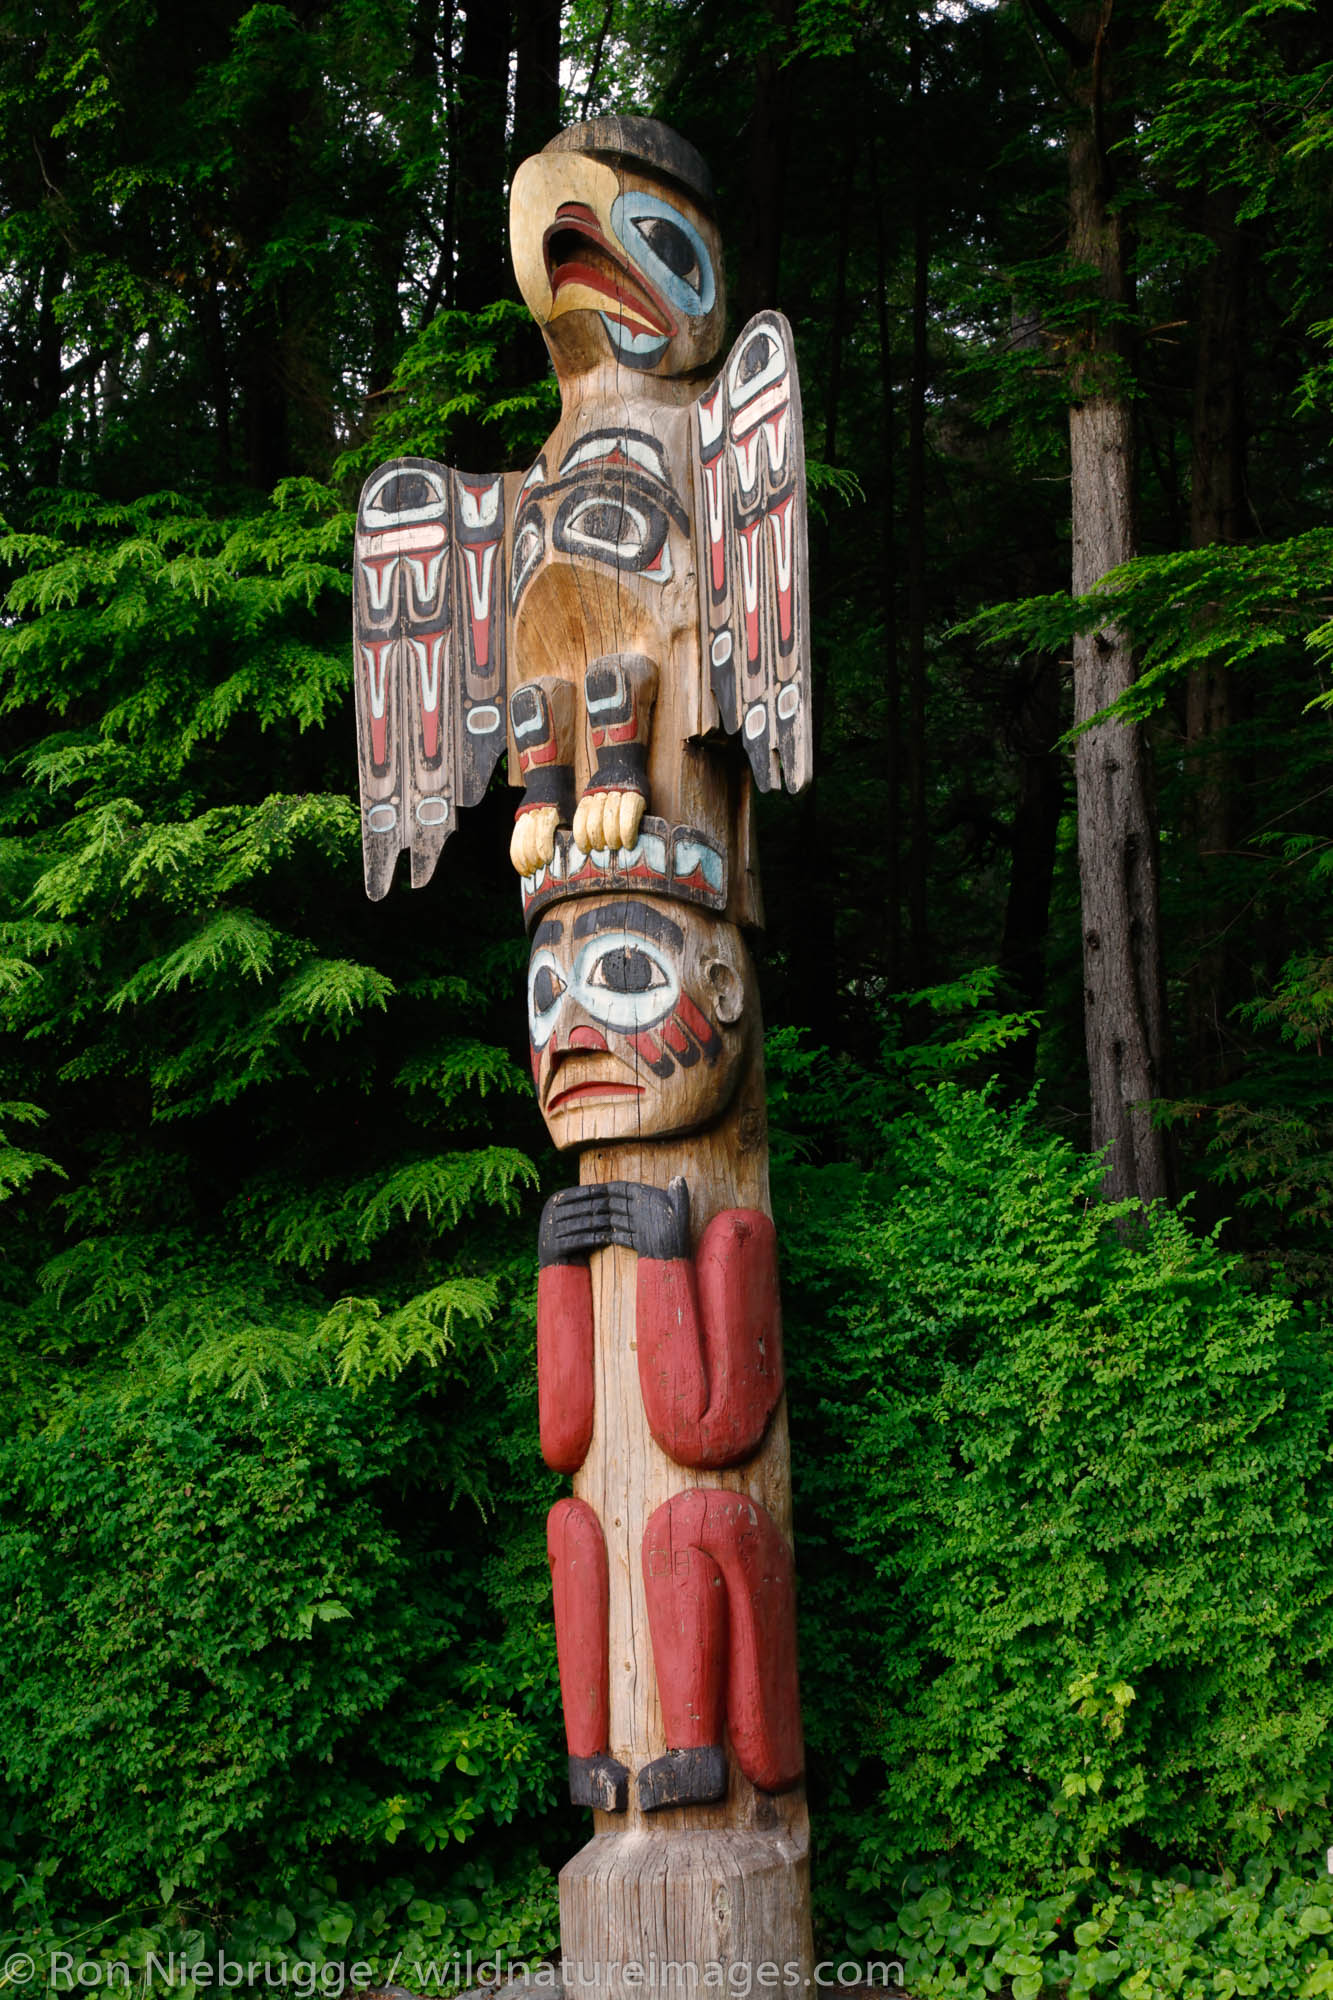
(574,1222)
(654,1221)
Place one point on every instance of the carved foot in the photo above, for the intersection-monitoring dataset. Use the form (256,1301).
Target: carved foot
(608,819)
(683,1778)
(598,1781)
(532,842)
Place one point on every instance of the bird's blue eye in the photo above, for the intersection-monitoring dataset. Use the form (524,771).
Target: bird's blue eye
(667,248)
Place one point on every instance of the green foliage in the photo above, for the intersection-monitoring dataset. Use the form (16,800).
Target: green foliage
(1063,1506)
(1141,1936)
(220,1618)
(1214,606)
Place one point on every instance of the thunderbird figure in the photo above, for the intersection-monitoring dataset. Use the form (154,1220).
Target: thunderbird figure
(636,596)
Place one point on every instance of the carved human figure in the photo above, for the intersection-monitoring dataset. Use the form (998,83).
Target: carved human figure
(639,1028)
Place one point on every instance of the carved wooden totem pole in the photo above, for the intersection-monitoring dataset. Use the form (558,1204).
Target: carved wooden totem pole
(620,618)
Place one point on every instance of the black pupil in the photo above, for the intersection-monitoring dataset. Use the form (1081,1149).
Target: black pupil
(627,971)
(671,245)
(409,489)
(546,990)
(754,357)
(603,523)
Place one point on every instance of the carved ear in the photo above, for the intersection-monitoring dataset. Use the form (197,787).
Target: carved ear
(728,990)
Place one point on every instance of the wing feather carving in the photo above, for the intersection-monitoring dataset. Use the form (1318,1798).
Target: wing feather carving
(749,484)
(429,642)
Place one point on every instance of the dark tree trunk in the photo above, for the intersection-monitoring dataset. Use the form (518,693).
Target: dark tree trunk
(1033,842)
(479,156)
(815,998)
(536,76)
(1217,514)
(48,381)
(1124,989)
(893,941)
(770,145)
(916,539)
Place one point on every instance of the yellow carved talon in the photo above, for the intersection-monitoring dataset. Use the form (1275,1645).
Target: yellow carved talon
(632,806)
(610,819)
(532,842)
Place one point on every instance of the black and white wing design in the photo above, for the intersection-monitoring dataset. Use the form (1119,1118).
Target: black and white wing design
(754,587)
(429,640)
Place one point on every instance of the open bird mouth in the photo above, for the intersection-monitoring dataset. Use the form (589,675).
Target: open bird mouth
(586,271)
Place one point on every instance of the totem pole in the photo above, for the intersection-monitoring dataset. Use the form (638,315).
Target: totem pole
(629,620)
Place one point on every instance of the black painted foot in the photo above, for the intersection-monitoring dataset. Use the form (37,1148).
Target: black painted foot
(683,1778)
(598,1781)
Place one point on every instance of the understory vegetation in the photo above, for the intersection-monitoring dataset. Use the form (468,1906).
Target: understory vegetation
(277,1668)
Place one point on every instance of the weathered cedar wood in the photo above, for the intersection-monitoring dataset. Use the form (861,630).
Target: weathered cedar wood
(634,606)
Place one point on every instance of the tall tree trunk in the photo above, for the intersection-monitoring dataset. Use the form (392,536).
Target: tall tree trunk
(893,697)
(770,146)
(1032,844)
(478,155)
(916,535)
(1217,514)
(1124,989)
(536,76)
(815,985)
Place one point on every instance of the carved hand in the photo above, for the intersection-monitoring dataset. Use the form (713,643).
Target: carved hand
(574,1222)
(654,1221)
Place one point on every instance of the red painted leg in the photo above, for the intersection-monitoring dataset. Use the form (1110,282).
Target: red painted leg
(576,1551)
(722,1613)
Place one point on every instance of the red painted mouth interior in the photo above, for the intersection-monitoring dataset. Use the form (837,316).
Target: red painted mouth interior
(577,252)
(582,1090)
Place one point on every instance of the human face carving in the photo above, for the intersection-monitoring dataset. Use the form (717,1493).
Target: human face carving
(636,1018)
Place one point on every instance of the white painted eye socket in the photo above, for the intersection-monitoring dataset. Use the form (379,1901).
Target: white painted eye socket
(609,528)
(413,493)
(625,980)
(546,989)
(667,248)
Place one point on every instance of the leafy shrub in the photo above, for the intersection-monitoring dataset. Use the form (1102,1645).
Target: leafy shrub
(1178,1937)
(1063,1514)
(249,1648)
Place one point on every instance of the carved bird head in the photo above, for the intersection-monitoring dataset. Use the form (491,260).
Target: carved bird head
(616,251)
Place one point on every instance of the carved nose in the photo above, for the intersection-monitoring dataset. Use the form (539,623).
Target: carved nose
(587,1038)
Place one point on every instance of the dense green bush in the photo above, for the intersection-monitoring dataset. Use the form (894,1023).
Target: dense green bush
(248,1647)
(1064,1514)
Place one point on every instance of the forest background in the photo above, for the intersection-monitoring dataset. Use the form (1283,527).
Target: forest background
(277,1667)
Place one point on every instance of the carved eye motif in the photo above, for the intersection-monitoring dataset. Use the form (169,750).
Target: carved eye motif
(404,493)
(625,981)
(546,989)
(761,361)
(668,249)
(616,525)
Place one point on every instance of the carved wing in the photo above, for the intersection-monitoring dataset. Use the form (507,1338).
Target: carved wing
(429,639)
(754,589)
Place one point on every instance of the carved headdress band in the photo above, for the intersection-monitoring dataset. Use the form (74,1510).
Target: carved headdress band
(676,861)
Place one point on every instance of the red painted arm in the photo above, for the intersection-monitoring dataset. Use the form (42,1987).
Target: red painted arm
(564,1364)
(709,1334)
